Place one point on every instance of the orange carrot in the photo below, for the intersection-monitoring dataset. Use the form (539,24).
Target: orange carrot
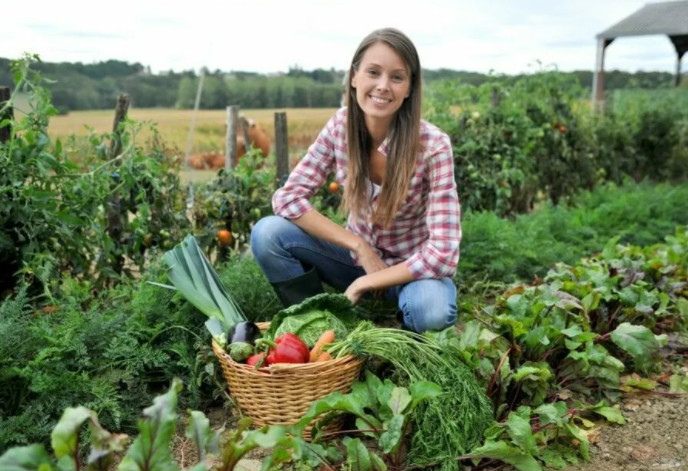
(327,337)
(324,356)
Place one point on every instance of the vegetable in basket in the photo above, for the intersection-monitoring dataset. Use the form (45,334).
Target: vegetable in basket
(325,339)
(287,348)
(242,338)
(317,314)
(194,277)
(253,360)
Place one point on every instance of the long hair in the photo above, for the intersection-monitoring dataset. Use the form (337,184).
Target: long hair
(403,138)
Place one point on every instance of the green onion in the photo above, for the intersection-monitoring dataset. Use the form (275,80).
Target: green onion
(191,273)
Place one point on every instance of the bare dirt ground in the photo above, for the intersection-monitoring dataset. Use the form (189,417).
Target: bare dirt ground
(655,437)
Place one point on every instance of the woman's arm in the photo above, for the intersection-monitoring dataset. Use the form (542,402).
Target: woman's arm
(319,226)
(397,274)
(292,200)
(439,256)
(322,227)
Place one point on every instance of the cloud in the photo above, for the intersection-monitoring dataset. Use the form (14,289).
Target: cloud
(272,35)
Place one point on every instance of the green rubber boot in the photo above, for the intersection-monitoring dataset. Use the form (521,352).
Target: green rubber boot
(296,290)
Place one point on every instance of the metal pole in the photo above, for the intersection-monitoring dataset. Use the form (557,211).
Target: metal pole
(189,142)
(593,101)
(678,68)
(193,116)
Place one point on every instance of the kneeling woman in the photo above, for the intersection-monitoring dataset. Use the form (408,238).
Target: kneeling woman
(403,231)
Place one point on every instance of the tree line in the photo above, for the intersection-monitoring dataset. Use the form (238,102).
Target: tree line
(81,86)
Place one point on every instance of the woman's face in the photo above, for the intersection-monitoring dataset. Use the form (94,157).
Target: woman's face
(382,82)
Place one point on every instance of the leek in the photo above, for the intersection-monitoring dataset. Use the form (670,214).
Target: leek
(193,276)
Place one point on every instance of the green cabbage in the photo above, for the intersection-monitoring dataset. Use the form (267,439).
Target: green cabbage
(315,315)
(311,325)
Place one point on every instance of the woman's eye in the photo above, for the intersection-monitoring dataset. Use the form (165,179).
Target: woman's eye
(398,78)
(372,72)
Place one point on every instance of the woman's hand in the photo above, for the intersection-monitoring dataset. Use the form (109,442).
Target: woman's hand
(355,290)
(368,258)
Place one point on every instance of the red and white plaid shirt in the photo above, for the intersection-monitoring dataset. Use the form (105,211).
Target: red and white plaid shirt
(426,231)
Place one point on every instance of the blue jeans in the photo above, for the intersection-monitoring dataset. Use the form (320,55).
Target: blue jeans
(282,249)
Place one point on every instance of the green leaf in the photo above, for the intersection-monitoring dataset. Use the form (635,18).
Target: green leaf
(548,414)
(635,381)
(612,414)
(607,377)
(520,432)
(384,395)
(26,458)
(393,436)
(378,464)
(638,341)
(151,449)
(357,455)
(363,425)
(422,390)
(399,400)
(470,335)
(500,450)
(591,301)
(264,437)
(678,383)
(314,453)
(199,431)
(682,306)
(286,449)
(366,392)
(516,327)
(104,446)
(609,252)
(552,458)
(582,437)
(65,435)
(541,372)
(194,277)
(336,402)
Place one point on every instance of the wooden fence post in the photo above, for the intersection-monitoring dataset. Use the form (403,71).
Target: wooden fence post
(495,97)
(281,146)
(7,279)
(115,213)
(231,142)
(5,131)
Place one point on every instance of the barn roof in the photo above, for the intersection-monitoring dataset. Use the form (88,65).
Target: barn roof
(670,18)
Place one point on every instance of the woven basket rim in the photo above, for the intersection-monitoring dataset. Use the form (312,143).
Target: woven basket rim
(311,369)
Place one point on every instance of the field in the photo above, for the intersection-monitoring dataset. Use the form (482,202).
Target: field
(304,124)
(572,306)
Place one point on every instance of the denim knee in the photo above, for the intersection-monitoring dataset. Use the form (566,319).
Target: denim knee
(429,305)
(265,236)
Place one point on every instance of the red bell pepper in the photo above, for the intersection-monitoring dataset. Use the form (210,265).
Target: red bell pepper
(254,359)
(287,348)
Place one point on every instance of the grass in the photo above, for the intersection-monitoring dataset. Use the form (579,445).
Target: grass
(304,124)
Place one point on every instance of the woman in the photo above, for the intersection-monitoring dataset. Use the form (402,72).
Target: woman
(403,232)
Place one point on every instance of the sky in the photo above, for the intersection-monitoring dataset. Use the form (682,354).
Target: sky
(504,36)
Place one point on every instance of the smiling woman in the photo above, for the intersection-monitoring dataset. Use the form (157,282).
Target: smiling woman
(397,171)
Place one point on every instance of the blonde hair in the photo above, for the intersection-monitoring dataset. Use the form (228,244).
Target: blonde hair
(403,138)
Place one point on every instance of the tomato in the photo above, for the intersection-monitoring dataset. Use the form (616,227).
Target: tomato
(334,187)
(224,237)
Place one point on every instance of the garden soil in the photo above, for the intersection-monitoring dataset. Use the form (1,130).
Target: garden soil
(655,437)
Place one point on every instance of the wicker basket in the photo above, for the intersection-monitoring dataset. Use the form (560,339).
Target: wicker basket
(283,394)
